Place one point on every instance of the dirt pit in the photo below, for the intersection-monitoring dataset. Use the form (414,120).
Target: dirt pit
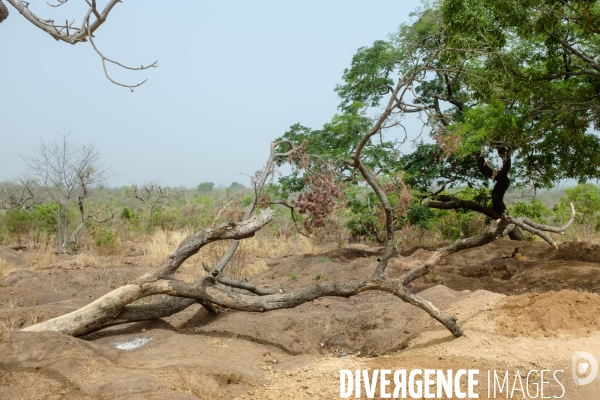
(517,316)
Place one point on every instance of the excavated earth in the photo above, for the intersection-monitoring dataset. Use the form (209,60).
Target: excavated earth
(517,315)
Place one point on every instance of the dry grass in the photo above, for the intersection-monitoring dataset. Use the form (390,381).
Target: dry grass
(6,268)
(43,256)
(86,260)
(7,324)
(247,261)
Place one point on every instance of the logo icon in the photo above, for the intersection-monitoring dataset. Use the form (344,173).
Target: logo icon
(584,364)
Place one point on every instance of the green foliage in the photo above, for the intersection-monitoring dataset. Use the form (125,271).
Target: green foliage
(293,276)
(537,83)
(428,167)
(461,224)
(105,238)
(336,141)
(247,199)
(236,187)
(536,210)
(132,219)
(586,199)
(368,78)
(480,195)
(17,222)
(421,216)
(166,219)
(46,216)
(205,187)
(127,213)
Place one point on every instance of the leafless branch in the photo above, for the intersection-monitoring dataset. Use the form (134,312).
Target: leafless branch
(70,34)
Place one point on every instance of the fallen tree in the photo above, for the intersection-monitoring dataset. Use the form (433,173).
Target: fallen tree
(354,158)
(218,289)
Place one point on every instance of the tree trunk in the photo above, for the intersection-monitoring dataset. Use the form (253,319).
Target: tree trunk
(498,208)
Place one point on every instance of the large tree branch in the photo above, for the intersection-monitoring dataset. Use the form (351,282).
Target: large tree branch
(581,55)
(258,187)
(193,243)
(447,202)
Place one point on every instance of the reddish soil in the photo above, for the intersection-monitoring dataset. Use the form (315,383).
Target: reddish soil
(550,313)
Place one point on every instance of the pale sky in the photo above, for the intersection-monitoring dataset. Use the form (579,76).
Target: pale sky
(232,76)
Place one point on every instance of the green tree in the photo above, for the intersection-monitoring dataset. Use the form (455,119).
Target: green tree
(492,104)
(206,187)
(236,187)
(586,199)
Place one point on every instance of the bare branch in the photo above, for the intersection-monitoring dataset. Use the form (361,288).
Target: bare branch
(540,230)
(72,35)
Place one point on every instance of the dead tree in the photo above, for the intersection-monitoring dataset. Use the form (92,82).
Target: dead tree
(23,193)
(85,219)
(65,169)
(152,195)
(70,33)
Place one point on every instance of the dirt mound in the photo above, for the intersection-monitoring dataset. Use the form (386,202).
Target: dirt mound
(368,324)
(544,268)
(350,253)
(482,348)
(549,314)
(297,353)
(577,251)
(49,365)
(13,256)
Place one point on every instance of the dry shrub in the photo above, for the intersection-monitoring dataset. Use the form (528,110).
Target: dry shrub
(333,233)
(112,277)
(87,260)
(269,245)
(246,262)
(8,324)
(43,256)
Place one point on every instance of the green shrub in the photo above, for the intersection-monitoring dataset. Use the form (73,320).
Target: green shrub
(105,238)
(132,219)
(17,222)
(536,211)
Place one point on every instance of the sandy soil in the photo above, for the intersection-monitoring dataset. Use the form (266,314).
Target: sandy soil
(517,315)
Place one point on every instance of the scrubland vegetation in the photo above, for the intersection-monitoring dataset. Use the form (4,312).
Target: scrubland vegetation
(137,229)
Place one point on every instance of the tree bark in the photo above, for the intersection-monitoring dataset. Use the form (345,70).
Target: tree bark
(502,183)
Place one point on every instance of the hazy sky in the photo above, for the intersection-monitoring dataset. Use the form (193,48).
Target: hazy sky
(233,76)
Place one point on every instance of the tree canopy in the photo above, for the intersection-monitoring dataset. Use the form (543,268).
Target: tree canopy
(508,92)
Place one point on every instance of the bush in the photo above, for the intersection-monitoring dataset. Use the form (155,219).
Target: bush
(17,222)
(459,224)
(536,211)
(132,219)
(105,239)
